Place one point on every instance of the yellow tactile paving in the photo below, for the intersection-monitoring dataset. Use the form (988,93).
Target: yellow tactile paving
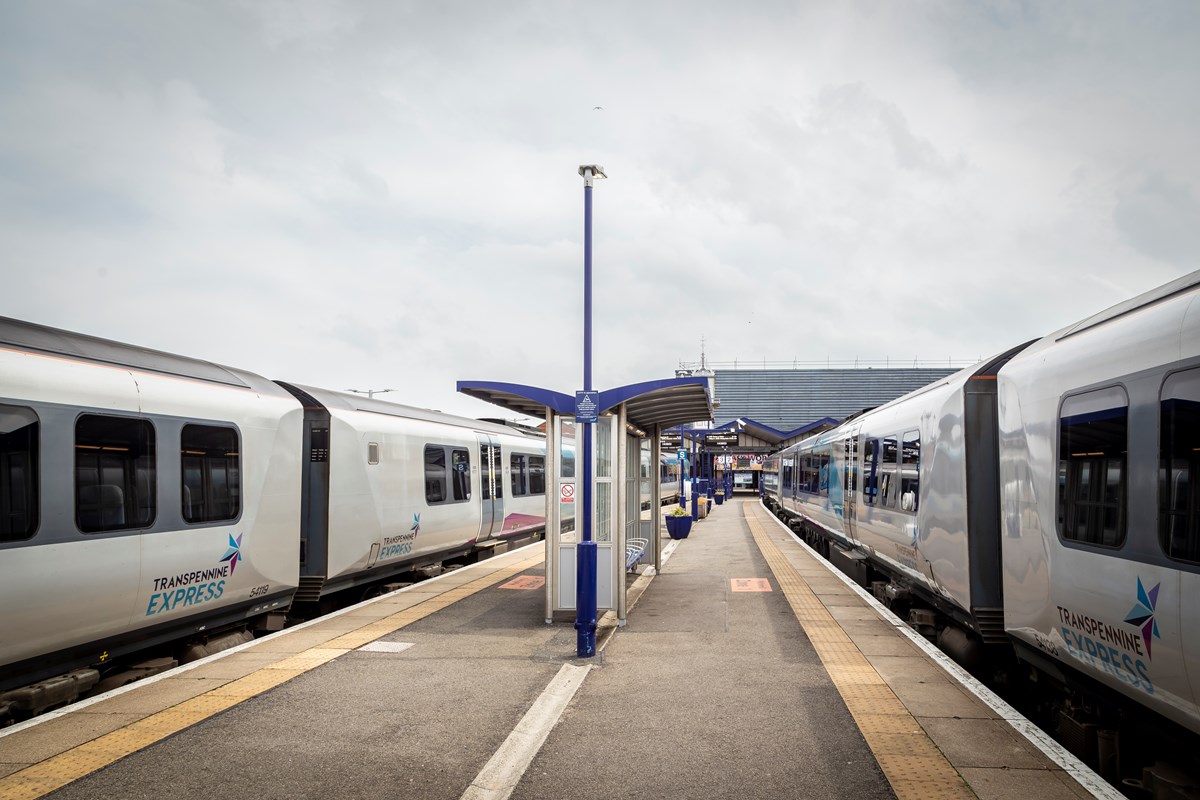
(913,765)
(38,780)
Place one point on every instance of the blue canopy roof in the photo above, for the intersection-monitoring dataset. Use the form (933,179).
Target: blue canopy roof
(672,401)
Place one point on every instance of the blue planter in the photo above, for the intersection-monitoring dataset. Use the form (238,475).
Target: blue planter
(720,498)
(679,527)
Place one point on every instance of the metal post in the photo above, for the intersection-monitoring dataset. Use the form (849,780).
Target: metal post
(695,483)
(585,559)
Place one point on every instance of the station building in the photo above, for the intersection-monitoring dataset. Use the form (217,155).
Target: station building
(763,410)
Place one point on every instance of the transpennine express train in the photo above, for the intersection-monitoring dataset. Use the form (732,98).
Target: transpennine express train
(1037,515)
(152,500)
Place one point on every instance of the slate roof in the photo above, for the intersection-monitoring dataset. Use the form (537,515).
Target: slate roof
(786,399)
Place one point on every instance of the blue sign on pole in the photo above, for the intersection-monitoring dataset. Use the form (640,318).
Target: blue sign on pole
(683,455)
(587,407)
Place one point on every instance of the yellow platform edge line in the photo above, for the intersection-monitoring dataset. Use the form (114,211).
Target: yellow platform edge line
(849,671)
(62,769)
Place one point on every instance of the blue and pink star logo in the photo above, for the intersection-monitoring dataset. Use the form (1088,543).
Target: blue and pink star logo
(1142,614)
(416,526)
(234,552)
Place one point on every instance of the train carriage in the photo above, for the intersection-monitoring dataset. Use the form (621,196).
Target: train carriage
(1099,436)
(146,497)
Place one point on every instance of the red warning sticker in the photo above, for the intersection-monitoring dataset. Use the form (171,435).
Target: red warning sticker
(525,582)
(750,585)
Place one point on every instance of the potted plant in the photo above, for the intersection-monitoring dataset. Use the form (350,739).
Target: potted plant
(679,523)
(719,496)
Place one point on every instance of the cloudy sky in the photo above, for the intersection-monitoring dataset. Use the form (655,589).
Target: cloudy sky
(385,194)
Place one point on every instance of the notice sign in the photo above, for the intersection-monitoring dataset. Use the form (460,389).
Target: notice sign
(566,493)
(750,585)
(587,407)
(721,438)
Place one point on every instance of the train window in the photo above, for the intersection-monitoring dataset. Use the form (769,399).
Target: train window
(1179,462)
(537,475)
(822,462)
(789,488)
(888,472)
(1093,435)
(870,486)
(517,471)
(460,463)
(910,469)
(211,473)
(18,473)
(435,474)
(498,465)
(114,473)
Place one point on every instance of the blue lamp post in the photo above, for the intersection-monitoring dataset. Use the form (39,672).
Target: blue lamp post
(585,417)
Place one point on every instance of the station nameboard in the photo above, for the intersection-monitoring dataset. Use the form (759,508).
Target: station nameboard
(722,438)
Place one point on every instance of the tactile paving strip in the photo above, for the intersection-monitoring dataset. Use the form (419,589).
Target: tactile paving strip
(57,771)
(912,763)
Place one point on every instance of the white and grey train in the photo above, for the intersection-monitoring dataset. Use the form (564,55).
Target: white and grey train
(148,498)
(1038,513)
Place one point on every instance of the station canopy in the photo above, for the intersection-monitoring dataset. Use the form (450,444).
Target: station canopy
(668,402)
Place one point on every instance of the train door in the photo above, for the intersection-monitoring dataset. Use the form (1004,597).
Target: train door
(491,487)
(850,485)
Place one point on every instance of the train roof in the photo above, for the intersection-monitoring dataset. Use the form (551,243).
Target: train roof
(347,401)
(1164,292)
(28,336)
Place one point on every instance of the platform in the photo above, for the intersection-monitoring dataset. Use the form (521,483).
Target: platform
(747,669)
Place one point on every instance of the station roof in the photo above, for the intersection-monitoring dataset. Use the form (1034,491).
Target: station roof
(667,402)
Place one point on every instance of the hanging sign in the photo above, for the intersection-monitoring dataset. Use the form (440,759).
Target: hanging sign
(727,438)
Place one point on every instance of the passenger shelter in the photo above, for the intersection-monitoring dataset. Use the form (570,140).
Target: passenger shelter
(627,453)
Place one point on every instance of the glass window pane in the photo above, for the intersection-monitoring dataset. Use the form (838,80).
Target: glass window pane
(1092,451)
(114,473)
(209,458)
(460,461)
(18,473)
(537,475)
(1179,459)
(435,474)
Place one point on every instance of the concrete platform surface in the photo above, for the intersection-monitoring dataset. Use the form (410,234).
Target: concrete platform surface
(746,670)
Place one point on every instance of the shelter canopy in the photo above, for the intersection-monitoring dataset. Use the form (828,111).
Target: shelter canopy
(668,402)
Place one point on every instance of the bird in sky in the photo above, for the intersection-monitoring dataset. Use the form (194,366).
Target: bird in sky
(597,108)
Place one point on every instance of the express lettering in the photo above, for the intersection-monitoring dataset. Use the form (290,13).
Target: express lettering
(1108,659)
(182,598)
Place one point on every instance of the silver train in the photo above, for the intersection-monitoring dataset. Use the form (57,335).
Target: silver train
(1036,513)
(148,499)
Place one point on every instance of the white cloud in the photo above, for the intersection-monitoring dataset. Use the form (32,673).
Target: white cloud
(376,194)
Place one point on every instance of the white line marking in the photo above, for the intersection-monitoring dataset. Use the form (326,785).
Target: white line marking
(503,771)
(386,647)
(1081,772)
